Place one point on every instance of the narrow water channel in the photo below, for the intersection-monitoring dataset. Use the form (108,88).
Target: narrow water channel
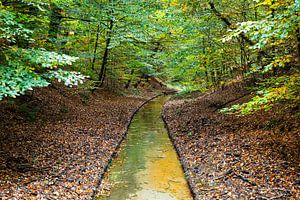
(147,167)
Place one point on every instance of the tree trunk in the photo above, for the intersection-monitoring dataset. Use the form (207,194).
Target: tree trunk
(3,60)
(95,49)
(298,45)
(205,63)
(129,81)
(106,51)
(55,21)
(298,42)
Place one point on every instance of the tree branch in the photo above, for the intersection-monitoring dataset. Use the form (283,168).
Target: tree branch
(228,23)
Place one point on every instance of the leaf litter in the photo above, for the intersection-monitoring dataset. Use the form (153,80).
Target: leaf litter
(62,153)
(236,157)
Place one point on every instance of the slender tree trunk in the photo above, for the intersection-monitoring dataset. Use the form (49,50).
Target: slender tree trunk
(298,45)
(137,83)
(106,51)
(244,53)
(255,11)
(55,21)
(206,73)
(273,39)
(129,81)
(244,57)
(95,49)
(298,42)
(3,60)
(205,67)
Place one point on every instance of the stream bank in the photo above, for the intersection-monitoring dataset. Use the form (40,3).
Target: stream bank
(236,157)
(60,150)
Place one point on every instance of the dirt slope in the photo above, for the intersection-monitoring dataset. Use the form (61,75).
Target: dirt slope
(231,157)
(56,144)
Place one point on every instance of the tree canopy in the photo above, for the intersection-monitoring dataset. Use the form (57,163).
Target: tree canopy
(191,45)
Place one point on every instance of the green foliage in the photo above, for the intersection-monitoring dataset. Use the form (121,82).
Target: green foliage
(278,28)
(45,59)
(188,44)
(283,88)
(10,29)
(275,34)
(22,69)
(88,85)
(16,80)
(186,92)
(34,68)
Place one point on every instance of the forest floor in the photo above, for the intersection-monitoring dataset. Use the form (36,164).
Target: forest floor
(57,143)
(236,157)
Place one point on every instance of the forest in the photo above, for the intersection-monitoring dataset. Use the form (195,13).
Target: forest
(74,72)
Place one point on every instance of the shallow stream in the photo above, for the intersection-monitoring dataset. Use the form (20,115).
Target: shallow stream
(147,166)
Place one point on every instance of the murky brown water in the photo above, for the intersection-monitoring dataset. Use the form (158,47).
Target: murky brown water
(147,167)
